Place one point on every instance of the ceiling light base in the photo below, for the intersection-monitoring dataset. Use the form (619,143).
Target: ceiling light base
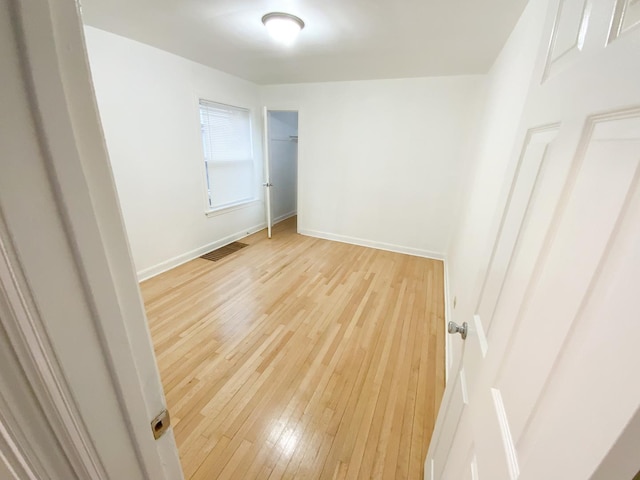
(283,27)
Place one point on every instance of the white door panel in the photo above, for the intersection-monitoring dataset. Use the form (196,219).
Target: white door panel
(533,155)
(608,317)
(473,469)
(474,353)
(452,413)
(598,192)
(549,357)
(492,436)
(466,466)
(627,16)
(567,41)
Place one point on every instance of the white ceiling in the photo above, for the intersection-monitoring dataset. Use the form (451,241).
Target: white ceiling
(342,39)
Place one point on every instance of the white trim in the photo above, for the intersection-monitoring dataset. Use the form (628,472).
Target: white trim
(289,110)
(11,456)
(447,312)
(300,156)
(474,469)
(482,338)
(85,217)
(214,212)
(162,267)
(509,447)
(267,169)
(463,387)
(282,218)
(417,252)
(24,327)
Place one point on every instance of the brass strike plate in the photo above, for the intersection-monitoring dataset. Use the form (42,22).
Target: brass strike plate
(160,424)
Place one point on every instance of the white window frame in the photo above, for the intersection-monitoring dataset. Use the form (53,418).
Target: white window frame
(211,211)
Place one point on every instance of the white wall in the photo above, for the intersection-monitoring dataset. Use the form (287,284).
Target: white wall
(283,163)
(491,153)
(148,102)
(380,162)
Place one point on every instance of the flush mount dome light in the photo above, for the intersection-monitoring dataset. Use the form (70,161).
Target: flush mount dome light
(283,27)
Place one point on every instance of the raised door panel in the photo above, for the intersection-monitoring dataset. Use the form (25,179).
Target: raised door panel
(602,177)
(530,168)
(451,412)
(592,395)
(465,468)
(571,186)
(496,455)
(573,216)
(569,34)
(626,17)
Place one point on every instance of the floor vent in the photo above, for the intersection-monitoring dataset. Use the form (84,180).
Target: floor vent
(222,252)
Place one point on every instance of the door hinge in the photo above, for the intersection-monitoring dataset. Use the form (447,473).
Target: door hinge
(160,424)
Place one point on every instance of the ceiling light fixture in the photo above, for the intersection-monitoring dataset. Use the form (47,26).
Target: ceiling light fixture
(283,27)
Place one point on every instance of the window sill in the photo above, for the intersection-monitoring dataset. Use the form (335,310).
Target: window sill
(230,208)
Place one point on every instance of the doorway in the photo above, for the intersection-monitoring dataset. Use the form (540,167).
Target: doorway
(281,166)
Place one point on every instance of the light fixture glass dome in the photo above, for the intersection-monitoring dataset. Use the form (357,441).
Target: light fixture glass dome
(283,27)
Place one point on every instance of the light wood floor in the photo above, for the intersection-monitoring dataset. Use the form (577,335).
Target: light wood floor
(301,358)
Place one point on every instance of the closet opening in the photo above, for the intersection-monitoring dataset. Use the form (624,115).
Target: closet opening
(281,167)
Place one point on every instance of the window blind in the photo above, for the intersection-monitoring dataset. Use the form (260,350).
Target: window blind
(226,132)
(228,155)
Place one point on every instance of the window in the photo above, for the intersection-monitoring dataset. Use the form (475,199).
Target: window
(228,156)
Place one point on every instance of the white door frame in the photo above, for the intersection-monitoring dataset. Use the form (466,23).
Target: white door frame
(84,216)
(29,365)
(267,169)
(266,109)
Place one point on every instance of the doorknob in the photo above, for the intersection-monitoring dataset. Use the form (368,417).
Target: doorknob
(455,328)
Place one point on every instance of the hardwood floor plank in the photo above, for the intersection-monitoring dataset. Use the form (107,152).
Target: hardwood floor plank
(300,358)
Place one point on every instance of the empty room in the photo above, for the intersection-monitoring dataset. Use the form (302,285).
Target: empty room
(272,239)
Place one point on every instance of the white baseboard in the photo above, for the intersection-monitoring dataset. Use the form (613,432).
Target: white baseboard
(447,311)
(284,217)
(373,244)
(162,267)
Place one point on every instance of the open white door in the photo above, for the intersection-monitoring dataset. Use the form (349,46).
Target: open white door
(548,376)
(80,386)
(267,169)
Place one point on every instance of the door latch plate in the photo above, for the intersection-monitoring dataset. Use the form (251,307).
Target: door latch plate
(160,424)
